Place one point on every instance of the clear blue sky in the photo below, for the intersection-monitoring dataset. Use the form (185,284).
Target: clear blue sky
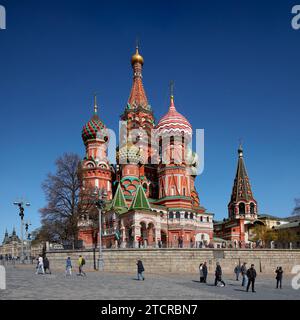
(236,69)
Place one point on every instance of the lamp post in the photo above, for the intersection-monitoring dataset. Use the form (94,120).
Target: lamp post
(27,224)
(100,203)
(21,214)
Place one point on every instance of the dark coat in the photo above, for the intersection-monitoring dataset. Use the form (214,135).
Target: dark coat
(46,263)
(279,274)
(251,273)
(218,272)
(140,266)
(204,270)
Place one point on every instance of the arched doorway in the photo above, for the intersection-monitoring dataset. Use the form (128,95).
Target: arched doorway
(144,235)
(164,239)
(151,234)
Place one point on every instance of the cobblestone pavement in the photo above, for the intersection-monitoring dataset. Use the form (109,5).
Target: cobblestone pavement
(22,283)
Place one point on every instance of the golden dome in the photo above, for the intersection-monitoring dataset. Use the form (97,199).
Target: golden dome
(137,58)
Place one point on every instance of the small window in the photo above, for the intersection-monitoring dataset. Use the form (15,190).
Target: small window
(191,215)
(171,215)
(177,215)
(242,208)
(186,215)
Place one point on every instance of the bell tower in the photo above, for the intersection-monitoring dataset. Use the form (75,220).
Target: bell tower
(242,204)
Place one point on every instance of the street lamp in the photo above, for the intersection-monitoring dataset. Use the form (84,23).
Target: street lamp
(27,224)
(101,195)
(21,214)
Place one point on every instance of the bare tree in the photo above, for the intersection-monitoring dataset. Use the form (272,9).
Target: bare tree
(63,191)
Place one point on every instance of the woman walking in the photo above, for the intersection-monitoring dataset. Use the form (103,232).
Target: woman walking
(201,273)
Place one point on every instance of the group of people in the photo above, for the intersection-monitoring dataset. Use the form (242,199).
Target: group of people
(43,265)
(249,276)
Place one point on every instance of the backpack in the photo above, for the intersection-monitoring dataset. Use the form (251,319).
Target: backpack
(83,262)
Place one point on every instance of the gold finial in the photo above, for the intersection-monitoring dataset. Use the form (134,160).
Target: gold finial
(137,58)
(95,104)
(172,89)
(240,150)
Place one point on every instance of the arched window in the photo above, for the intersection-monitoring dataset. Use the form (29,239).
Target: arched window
(191,215)
(177,215)
(186,215)
(207,218)
(252,208)
(201,219)
(171,215)
(242,208)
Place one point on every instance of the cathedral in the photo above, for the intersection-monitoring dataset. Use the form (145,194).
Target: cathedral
(151,199)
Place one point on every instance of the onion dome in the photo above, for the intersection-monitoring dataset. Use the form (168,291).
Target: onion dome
(130,154)
(137,58)
(173,122)
(95,128)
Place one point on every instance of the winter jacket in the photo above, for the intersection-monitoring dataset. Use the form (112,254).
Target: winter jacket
(218,272)
(251,274)
(204,269)
(279,274)
(201,271)
(140,266)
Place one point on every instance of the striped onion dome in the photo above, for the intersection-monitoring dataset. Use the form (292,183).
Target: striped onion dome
(173,122)
(94,129)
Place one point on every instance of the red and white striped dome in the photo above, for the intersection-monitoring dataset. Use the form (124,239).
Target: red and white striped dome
(173,122)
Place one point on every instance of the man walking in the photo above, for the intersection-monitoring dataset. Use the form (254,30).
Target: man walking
(140,269)
(279,273)
(237,271)
(251,274)
(244,273)
(218,275)
(81,263)
(205,272)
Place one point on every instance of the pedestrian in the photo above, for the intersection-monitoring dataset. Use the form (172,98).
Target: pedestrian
(68,267)
(251,274)
(40,265)
(244,274)
(237,271)
(218,275)
(191,243)
(47,265)
(201,272)
(279,273)
(205,272)
(81,263)
(140,269)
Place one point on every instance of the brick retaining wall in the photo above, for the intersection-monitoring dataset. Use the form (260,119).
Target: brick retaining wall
(180,260)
